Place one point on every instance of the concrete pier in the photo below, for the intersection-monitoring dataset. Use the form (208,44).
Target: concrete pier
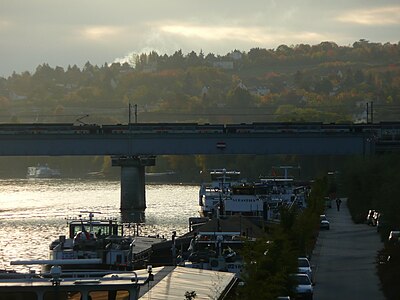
(133,196)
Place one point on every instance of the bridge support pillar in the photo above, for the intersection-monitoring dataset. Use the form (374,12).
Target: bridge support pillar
(133,196)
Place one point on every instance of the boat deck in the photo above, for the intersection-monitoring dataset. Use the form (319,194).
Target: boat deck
(174,282)
(143,243)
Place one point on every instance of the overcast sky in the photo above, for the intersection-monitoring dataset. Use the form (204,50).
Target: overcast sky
(63,33)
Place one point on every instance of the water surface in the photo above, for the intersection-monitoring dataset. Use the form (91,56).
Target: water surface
(34,212)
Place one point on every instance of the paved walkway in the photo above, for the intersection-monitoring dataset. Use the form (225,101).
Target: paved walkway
(344,259)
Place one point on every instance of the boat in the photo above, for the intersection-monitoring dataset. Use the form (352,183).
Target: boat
(56,285)
(216,251)
(219,197)
(103,239)
(218,244)
(227,194)
(42,171)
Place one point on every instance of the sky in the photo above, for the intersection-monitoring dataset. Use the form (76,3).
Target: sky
(62,33)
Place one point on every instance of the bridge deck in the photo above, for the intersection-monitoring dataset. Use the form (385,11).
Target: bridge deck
(184,144)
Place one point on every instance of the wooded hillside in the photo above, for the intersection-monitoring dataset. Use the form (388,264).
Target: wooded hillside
(323,82)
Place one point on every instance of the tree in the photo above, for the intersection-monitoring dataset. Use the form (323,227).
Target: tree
(284,50)
(298,78)
(192,59)
(258,56)
(240,97)
(177,59)
(324,86)
(88,67)
(268,263)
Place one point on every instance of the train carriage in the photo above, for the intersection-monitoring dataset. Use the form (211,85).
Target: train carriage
(47,128)
(161,128)
(35,128)
(275,127)
(389,131)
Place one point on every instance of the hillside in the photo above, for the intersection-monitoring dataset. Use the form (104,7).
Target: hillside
(323,82)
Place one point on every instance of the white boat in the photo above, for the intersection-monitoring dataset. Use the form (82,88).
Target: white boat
(103,239)
(42,171)
(228,195)
(218,197)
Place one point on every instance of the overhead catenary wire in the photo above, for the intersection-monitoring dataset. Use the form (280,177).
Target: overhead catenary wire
(379,110)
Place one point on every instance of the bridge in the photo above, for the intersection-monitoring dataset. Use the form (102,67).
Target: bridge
(185,144)
(135,146)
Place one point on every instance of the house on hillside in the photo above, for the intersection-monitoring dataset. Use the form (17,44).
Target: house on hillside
(204,92)
(241,85)
(15,97)
(361,114)
(235,55)
(259,91)
(113,83)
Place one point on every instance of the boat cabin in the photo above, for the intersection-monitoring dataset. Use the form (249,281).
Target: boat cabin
(111,287)
(94,238)
(101,228)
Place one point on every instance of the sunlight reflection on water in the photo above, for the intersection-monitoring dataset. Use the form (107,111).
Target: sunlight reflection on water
(33,212)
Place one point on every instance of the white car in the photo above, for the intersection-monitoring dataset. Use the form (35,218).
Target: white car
(304,266)
(323,222)
(304,287)
(394,236)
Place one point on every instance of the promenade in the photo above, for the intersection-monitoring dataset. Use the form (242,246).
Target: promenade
(344,259)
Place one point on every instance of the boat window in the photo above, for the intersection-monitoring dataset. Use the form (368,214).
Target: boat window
(60,295)
(18,295)
(102,230)
(243,190)
(119,259)
(112,295)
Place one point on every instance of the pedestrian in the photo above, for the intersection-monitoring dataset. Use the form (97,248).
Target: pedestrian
(338,202)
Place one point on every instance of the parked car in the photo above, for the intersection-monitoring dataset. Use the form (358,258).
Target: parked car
(370,216)
(323,222)
(394,236)
(304,266)
(375,218)
(304,287)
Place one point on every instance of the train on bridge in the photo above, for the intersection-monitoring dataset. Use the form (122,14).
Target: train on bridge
(382,131)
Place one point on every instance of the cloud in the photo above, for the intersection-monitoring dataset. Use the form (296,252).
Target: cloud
(100,33)
(204,32)
(373,16)
(255,34)
(75,31)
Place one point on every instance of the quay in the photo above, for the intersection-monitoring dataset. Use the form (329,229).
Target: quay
(344,259)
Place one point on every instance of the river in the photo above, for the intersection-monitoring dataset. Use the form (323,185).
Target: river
(34,212)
